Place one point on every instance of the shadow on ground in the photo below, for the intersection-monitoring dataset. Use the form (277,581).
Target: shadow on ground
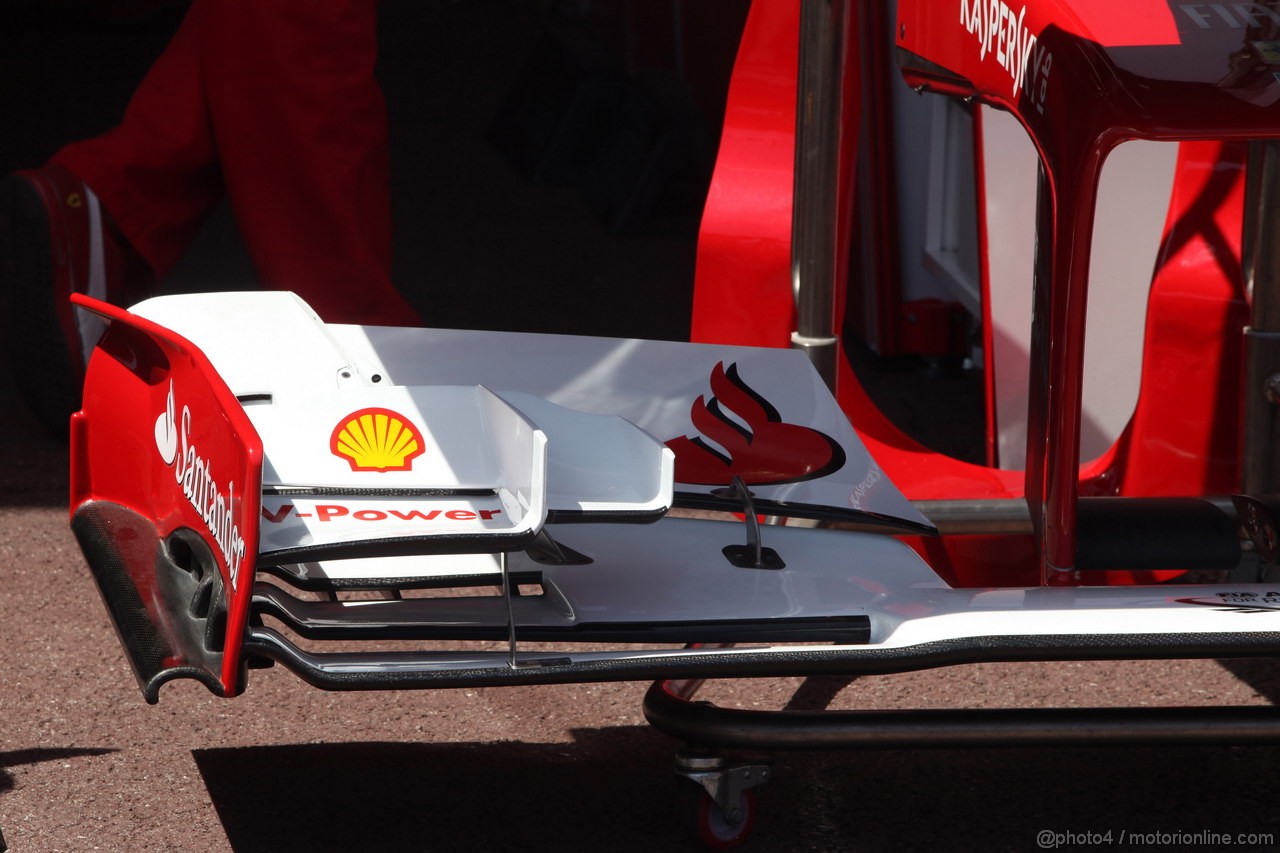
(613,789)
(495,796)
(1262,674)
(19,757)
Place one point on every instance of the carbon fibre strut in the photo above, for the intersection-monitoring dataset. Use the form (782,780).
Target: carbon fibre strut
(753,555)
(511,618)
(508,593)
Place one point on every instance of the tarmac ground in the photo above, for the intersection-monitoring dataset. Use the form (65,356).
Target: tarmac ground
(85,764)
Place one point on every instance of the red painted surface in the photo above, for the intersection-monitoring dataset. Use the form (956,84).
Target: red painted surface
(984,277)
(883,267)
(126,449)
(933,327)
(1081,77)
(761,448)
(742,290)
(1183,437)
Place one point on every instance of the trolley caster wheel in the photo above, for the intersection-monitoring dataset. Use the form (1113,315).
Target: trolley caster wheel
(717,830)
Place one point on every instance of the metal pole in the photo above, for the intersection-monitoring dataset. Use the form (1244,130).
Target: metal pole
(813,230)
(706,725)
(1260,453)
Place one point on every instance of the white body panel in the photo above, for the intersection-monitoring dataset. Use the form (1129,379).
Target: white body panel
(1133,199)
(471,441)
(351,457)
(272,344)
(674,571)
(653,384)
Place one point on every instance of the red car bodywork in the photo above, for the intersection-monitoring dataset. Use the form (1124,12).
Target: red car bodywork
(169,449)
(1081,77)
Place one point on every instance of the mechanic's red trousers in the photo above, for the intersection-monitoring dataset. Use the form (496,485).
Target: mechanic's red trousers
(275,105)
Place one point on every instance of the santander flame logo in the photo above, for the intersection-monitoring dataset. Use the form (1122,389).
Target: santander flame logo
(215,504)
(753,441)
(376,440)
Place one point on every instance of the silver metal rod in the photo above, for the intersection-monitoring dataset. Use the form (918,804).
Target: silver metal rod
(1260,446)
(508,593)
(705,725)
(1003,516)
(813,233)
(1262,275)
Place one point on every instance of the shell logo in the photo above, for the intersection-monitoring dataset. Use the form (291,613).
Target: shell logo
(376,440)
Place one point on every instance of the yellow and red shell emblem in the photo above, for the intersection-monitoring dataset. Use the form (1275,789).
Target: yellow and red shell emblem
(376,440)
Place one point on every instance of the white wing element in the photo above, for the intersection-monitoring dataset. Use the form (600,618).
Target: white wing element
(429,470)
(357,465)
